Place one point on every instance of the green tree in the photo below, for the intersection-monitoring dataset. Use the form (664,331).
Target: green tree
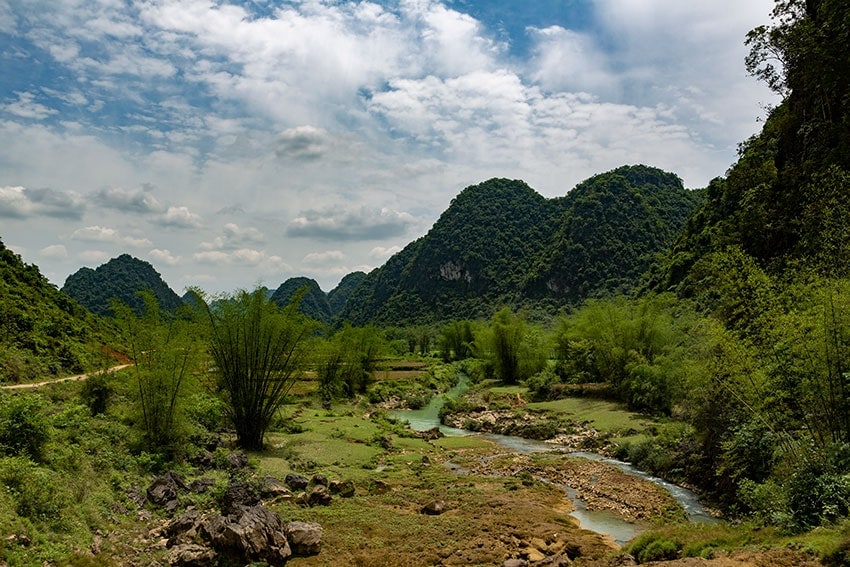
(259,352)
(164,350)
(514,349)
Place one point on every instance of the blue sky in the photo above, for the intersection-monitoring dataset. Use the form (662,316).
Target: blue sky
(244,142)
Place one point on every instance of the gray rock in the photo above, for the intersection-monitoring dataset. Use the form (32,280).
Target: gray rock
(434,508)
(201,485)
(273,488)
(190,555)
(319,496)
(304,538)
(344,488)
(319,479)
(164,488)
(238,495)
(249,534)
(515,563)
(237,460)
(296,481)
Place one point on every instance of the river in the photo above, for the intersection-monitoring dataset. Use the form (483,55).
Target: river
(603,522)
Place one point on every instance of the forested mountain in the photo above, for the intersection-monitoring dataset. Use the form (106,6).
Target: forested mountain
(314,303)
(786,202)
(502,243)
(121,278)
(611,228)
(339,295)
(42,330)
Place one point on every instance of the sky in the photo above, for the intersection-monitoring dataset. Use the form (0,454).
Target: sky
(235,143)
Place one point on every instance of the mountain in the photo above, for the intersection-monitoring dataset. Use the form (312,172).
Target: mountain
(121,278)
(314,304)
(502,243)
(339,295)
(43,332)
(612,227)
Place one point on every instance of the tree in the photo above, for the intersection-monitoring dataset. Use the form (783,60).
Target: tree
(164,349)
(514,350)
(259,353)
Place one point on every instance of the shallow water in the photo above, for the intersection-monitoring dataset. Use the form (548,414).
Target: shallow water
(599,521)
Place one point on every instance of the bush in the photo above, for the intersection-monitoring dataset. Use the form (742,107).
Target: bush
(95,393)
(24,429)
(34,489)
(653,547)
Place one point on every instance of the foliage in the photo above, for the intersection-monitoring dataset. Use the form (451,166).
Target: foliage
(164,350)
(121,278)
(24,428)
(347,361)
(653,547)
(501,243)
(456,341)
(514,350)
(313,303)
(43,332)
(259,352)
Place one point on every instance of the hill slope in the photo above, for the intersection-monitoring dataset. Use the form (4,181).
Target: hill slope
(43,332)
(121,278)
(502,243)
(314,304)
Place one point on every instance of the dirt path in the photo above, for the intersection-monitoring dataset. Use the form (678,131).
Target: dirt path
(57,380)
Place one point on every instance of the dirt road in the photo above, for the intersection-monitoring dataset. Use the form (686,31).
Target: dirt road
(57,380)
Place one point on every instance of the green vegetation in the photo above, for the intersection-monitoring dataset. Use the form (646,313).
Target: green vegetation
(314,302)
(43,332)
(121,278)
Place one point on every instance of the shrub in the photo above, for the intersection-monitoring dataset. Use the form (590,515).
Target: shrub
(95,393)
(34,489)
(653,547)
(24,429)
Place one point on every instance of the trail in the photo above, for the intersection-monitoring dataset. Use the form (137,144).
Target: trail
(57,380)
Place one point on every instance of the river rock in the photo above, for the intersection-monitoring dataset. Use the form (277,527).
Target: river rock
(304,538)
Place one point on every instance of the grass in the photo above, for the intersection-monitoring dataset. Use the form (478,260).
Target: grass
(602,415)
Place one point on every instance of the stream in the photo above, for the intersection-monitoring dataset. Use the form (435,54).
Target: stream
(600,521)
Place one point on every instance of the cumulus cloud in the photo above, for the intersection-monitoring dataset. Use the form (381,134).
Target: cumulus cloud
(234,237)
(302,143)
(20,202)
(383,253)
(104,234)
(180,217)
(93,257)
(164,256)
(363,223)
(140,200)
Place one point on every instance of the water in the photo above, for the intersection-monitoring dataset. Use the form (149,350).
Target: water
(600,521)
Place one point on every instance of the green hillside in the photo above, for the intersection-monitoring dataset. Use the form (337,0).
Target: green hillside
(43,332)
(502,243)
(314,304)
(121,278)
(339,295)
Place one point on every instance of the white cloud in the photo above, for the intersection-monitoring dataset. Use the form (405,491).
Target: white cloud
(129,200)
(27,107)
(20,202)
(164,256)
(180,217)
(104,234)
(383,253)
(93,257)
(269,263)
(350,224)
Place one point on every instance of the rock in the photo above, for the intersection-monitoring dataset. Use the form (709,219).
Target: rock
(237,460)
(201,485)
(515,563)
(239,495)
(203,460)
(183,528)
(296,481)
(164,488)
(426,461)
(190,555)
(319,496)
(434,508)
(273,488)
(249,534)
(380,487)
(344,488)
(430,434)
(304,538)
(320,479)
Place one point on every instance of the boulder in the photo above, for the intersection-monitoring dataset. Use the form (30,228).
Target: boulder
(190,555)
(237,460)
(304,538)
(249,534)
(164,488)
(201,485)
(273,488)
(343,488)
(296,481)
(319,496)
(239,495)
(319,479)
(434,508)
